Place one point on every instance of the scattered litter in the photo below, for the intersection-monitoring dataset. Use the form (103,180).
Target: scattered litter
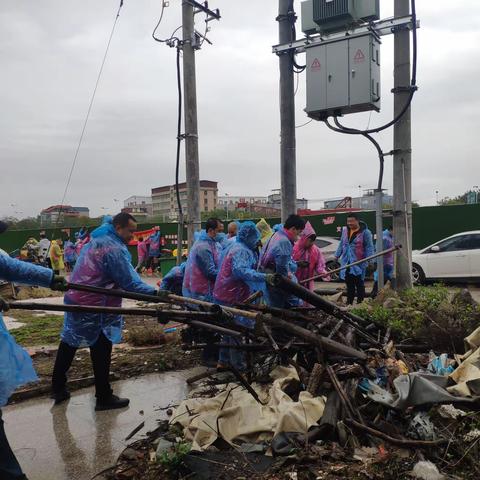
(426,471)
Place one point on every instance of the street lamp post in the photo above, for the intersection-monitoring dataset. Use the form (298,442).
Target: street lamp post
(436,195)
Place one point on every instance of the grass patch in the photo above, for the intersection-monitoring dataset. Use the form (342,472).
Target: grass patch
(140,336)
(38,330)
(433,313)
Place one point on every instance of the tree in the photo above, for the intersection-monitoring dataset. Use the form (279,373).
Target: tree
(459,200)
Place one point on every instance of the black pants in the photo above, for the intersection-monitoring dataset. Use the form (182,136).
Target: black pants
(101,355)
(355,288)
(9,466)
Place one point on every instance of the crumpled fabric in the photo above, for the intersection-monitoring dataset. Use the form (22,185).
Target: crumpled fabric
(265,230)
(238,278)
(276,257)
(173,280)
(312,255)
(412,390)
(154,244)
(202,268)
(69,253)
(16,366)
(350,251)
(104,262)
(467,374)
(235,416)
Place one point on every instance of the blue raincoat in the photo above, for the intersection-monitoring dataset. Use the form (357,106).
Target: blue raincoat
(236,281)
(173,280)
(69,253)
(388,258)
(154,244)
(16,366)
(276,257)
(238,277)
(104,262)
(202,268)
(352,249)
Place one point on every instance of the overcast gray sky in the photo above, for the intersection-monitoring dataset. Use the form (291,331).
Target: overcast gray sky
(50,53)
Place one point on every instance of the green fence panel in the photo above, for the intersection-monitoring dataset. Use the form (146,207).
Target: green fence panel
(430,224)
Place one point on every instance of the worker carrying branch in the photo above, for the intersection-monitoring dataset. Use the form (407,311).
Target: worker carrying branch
(103,262)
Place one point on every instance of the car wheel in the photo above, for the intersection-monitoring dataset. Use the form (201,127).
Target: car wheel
(333,265)
(418,274)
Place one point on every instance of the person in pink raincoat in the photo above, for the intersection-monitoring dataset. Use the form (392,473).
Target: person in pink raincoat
(309,258)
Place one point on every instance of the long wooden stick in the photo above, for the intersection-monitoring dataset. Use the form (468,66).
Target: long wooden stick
(170,298)
(358,262)
(182,316)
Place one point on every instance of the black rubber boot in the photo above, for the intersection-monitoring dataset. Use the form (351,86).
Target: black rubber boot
(111,403)
(60,397)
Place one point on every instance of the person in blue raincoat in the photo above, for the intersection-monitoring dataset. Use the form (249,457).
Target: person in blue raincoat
(276,257)
(173,280)
(154,249)
(203,262)
(104,262)
(387,260)
(16,366)
(236,281)
(355,244)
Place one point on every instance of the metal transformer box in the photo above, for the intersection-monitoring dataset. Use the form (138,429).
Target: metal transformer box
(334,15)
(343,76)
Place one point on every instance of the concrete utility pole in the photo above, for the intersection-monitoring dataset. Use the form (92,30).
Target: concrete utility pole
(191,128)
(402,160)
(288,165)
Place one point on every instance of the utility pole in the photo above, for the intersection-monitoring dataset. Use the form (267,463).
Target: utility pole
(191,125)
(288,167)
(402,160)
(190,42)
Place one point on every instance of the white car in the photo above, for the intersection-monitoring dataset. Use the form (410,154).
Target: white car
(454,258)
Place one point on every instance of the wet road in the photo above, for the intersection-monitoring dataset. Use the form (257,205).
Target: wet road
(73,442)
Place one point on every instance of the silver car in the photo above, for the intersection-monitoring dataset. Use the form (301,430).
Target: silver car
(328,247)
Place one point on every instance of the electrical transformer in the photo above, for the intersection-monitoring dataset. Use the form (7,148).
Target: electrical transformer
(343,76)
(324,16)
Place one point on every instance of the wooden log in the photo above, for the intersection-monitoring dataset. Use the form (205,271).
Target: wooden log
(401,442)
(323,343)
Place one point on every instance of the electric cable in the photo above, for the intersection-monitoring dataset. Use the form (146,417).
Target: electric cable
(159,21)
(412,88)
(87,117)
(179,133)
(303,124)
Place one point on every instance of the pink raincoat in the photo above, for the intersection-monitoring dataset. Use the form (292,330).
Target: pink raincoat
(312,255)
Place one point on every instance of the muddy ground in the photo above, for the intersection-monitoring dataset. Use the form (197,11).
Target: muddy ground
(150,351)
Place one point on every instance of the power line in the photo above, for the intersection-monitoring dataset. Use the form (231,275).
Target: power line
(92,99)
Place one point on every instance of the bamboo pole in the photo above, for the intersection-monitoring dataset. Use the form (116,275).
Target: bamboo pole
(367,259)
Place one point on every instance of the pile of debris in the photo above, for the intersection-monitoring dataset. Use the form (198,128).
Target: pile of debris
(326,394)
(324,388)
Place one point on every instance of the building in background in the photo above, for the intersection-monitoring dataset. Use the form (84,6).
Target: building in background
(365,202)
(164,199)
(260,206)
(138,206)
(56,213)
(274,201)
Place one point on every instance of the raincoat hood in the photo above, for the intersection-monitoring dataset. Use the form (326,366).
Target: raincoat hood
(248,234)
(307,232)
(265,230)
